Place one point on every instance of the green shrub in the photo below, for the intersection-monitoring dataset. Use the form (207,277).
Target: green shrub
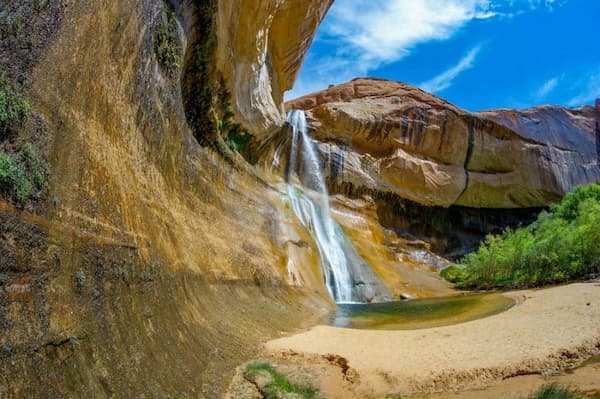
(569,207)
(17,25)
(279,385)
(7,167)
(13,180)
(561,245)
(13,109)
(554,392)
(23,176)
(454,273)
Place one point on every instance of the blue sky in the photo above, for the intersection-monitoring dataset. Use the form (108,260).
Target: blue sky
(478,54)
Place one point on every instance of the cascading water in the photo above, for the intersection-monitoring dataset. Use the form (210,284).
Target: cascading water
(346,274)
(337,275)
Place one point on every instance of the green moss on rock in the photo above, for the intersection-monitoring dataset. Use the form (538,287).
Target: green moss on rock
(167,43)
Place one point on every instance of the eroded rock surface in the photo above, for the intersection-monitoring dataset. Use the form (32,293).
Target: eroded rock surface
(261,48)
(392,137)
(154,266)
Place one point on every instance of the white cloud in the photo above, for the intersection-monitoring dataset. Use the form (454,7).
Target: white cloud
(445,80)
(370,34)
(589,90)
(547,4)
(388,32)
(546,88)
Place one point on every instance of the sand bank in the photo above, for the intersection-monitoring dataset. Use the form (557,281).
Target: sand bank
(549,330)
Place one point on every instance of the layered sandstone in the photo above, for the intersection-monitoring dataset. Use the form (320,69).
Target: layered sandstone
(261,48)
(154,267)
(391,137)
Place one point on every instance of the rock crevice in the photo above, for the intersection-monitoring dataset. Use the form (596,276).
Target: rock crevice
(470,149)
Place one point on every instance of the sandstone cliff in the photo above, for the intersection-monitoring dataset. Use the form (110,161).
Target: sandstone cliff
(391,137)
(261,48)
(152,266)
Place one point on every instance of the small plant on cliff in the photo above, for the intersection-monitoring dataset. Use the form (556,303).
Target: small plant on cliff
(17,24)
(12,180)
(167,44)
(36,168)
(23,176)
(278,386)
(236,135)
(562,245)
(79,279)
(13,109)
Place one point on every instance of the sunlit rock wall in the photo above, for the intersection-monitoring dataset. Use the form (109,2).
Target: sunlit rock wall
(153,267)
(395,138)
(261,46)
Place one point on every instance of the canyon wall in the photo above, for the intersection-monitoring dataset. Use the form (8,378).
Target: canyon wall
(152,266)
(395,138)
(261,49)
(439,174)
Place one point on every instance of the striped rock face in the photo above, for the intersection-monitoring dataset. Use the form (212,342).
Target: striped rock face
(394,138)
(261,49)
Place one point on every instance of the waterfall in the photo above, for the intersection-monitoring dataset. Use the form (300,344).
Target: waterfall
(347,276)
(328,238)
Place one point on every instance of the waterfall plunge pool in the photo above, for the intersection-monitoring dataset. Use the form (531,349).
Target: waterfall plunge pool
(347,276)
(420,313)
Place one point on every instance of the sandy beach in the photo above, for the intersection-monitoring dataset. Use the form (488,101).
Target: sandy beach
(547,331)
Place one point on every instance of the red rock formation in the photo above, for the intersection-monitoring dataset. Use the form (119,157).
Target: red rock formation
(396,138)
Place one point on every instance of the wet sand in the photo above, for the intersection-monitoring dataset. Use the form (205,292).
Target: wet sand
(585,379)
(549,330)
